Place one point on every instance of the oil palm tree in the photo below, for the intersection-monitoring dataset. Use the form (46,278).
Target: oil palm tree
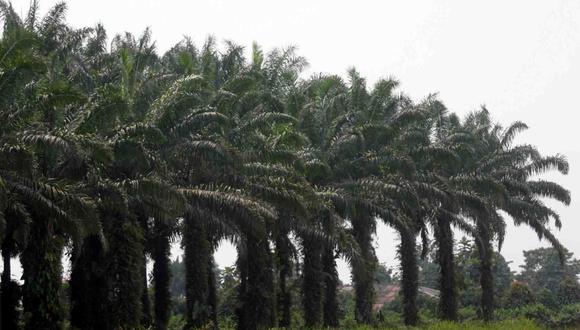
(513,167)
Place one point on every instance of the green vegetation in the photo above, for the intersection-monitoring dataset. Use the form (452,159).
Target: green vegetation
(111,151)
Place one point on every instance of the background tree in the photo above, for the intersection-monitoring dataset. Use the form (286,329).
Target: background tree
(544,273)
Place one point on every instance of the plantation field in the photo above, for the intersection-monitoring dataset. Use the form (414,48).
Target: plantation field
(513,324)
(125,166)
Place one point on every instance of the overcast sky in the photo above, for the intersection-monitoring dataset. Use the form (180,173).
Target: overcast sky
(519,58)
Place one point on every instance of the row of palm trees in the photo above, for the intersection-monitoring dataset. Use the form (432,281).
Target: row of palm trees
(109,153)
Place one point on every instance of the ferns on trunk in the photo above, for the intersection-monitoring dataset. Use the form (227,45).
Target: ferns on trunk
(161,274)
(447,277)
(257,293)
(312,284)
(409,276)
(284,267)
(331,280)
(363,269)
(197,253)
(89,286)
(42,274)
(9,290)
(485,251)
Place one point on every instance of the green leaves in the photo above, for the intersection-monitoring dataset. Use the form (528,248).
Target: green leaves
(550,190)
(544,164)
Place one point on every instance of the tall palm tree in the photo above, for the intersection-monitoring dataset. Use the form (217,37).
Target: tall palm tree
(513,167)
(50,201)
(439,160)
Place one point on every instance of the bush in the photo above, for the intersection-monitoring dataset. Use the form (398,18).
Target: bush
(562,317)
(519,295)
(176,322)
(569,292)
(567,316)
(467,313)
(547,298)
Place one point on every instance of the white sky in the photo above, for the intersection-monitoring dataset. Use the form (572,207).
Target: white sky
(519,58)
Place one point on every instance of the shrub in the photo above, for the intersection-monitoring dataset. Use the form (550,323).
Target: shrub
(519,295)
(467,313)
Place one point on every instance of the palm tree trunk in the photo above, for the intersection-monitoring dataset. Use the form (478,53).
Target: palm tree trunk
(284,260)
(146,319)
(212,294)
(9,298)
(330,308)
(409,276)
(241,310)
(161,274)
(42,274)
(363,269)
(262,292)
(127,274)
(123,271)
(447,277)
(197,252)
(258,299)
(312,282)
(485,251)
(89,287)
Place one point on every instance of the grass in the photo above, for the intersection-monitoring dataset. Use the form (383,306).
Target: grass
(515,324)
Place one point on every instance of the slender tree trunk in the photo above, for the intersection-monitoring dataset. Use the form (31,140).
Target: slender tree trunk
(409,276)
(146,318)
(89,287)
(3,292)
(261,289)
(212,294)
(284,265)
(485,251)
(330,309)
(363,269)
(122,268)
(161,274)
(241,309)
(42,274)
(259,297)
(126,270)
(9,299)
(197,253)
(447,276)
(312,282)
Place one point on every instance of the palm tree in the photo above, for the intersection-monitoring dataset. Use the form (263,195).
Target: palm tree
(439,159)
(383,176)
(19,66)
(513,167)
(41,193)
(214,144)
(133,194)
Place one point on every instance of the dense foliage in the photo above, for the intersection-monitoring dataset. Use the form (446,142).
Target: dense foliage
(111,151)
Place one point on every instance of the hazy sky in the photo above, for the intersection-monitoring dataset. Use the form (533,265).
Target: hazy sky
(519,58)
